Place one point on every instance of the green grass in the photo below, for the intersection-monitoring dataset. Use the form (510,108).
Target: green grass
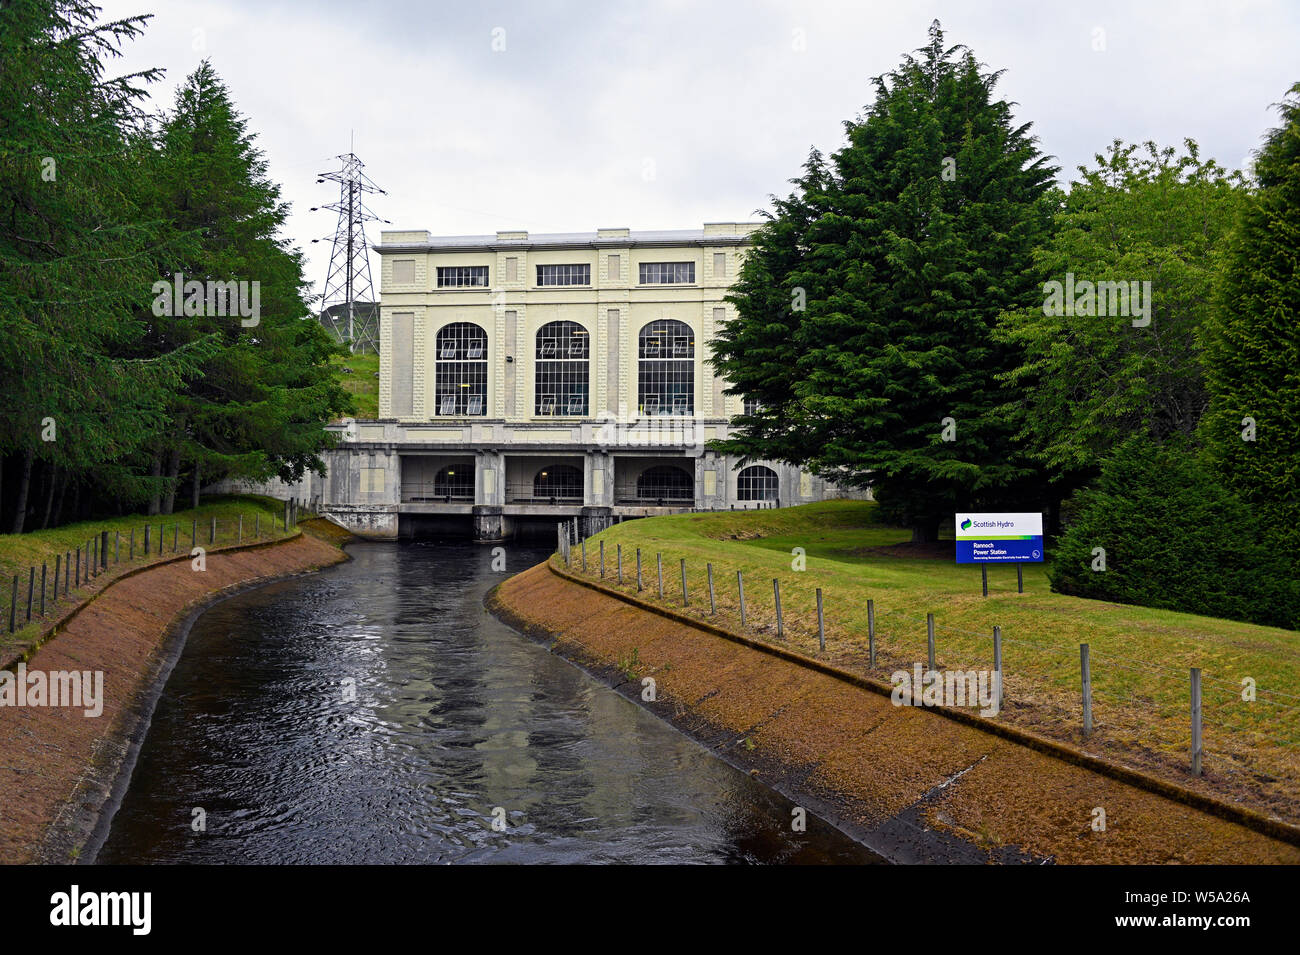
(20,552)
(361,380)
(1140,656)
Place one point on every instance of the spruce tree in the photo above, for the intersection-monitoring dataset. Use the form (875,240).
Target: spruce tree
(1252,348)
(895,263)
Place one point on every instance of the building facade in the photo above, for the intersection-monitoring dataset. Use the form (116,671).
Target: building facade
(526,379)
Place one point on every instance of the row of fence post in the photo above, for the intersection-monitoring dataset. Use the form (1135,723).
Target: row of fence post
(91,559)
(1085,662)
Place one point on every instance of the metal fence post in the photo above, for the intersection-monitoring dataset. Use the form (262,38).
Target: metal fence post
(740,588)
(659,561)
(1196,721)
(821,623)
(44,570)
(194,533)
(713,604)
(257,524)
(117,546)
(13,605)
(131,550)
(31,587)
(58,566)
(997,665)
(776,596)
(871,634)
(1020,578)
(78,567)
(929,638)
(212,536)
(1085,671)
(584,555)
(103,549)
(67,572)
(147,528)
(638,570)
(984,578)
(619,559)
(602,559)
(240,539)
(685,600)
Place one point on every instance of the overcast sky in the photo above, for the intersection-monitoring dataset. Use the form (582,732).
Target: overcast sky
(664,114)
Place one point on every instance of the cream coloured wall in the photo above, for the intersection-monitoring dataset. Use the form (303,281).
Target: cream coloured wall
(527,307)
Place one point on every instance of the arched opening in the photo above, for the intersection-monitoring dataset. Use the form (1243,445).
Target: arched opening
(562,379)
(666,368)
(757,483)
(454,482)
(460,370)
(665,483)
(558,482)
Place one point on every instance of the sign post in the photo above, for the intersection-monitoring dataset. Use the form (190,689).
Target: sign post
(998,539)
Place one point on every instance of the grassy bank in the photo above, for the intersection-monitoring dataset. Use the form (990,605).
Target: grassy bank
(359,376)
(1140,657)
(19,553)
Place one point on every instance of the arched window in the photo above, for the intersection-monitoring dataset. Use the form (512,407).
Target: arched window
(665,482)
(454,481)
(757,483)
(666,370)
(460,370)
(559,482)
(562,379)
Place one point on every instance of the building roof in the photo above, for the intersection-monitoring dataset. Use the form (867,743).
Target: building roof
(713,233)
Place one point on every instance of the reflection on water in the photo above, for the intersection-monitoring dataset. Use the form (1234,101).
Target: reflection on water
(454,720)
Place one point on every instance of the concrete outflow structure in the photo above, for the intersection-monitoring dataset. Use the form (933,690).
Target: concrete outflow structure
(526,380)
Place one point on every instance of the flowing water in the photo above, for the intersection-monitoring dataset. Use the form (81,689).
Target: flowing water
(376,713)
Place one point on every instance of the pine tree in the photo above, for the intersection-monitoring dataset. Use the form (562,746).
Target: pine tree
(902,253)
(258,409)
(75,249)
(1252,348)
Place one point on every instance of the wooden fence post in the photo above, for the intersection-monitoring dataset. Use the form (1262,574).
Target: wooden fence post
(1196,721)
(821,623)
(740,588)
(780,621)
(871,633)
(1085,671)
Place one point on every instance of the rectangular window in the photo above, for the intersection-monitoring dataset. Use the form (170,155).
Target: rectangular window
(404,271)
(615,267)
(448,405)
(719,265)
(512,269)
(563,275)
(651,406)
(475,405)
(474,350)
(448,350)
(546,404)
(462,276)
(577,404)
(667,273)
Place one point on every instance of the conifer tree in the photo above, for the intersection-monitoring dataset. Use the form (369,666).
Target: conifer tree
(896,261)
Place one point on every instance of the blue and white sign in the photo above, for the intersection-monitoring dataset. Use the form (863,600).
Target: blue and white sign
(996,538)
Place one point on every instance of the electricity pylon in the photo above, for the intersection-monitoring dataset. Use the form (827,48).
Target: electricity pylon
(349,307)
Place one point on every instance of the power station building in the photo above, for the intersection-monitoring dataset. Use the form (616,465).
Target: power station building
(526,379)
